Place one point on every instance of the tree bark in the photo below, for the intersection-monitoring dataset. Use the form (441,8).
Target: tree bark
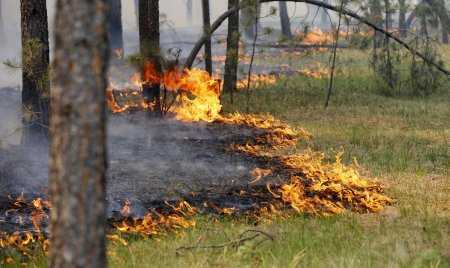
(376,15)
(402,18)
(115,29)
(285,22)
(35,70)
(438,7)
(206,29)
(248,20)
(78,132)
(232,54)
(149,39)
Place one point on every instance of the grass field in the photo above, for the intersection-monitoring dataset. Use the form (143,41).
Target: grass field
(404,141)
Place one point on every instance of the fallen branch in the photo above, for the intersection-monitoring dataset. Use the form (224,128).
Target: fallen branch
(198,45)
(299,46)
(236,243)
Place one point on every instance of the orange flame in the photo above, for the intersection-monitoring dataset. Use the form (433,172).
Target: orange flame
(197,94)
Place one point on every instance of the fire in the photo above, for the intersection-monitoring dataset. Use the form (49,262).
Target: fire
(316,37)
(196,95)
(154,223)
(315,186)
(315,72)
(257,81)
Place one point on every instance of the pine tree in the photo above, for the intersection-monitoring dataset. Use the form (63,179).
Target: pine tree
(78,135)
(35,70)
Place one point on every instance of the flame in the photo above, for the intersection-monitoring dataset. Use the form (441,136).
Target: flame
(257,81)
(154,223)
(318,71)
(316,37)
(197,94)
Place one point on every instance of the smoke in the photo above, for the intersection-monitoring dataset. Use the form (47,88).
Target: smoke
(149,159)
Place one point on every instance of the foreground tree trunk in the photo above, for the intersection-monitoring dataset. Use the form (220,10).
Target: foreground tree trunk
(115,29)
(78,146)
(232,56)
(150,49)
(207,29)
(35,70)
(285,22)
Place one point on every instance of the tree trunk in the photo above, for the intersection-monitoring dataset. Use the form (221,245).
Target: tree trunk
(438,7)
(248,19)
(115,30)
(402,18)
(445,32)
(285,22)
(150,49)
(367,21)
(78,132)
(207,29)
(232,56)
(325,23)
(35,70)
(376,14)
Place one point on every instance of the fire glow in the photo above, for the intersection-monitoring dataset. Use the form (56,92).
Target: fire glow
(194,93)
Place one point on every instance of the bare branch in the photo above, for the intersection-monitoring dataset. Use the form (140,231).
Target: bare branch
(346,12)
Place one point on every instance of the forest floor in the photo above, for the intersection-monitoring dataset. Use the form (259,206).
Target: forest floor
(402,140)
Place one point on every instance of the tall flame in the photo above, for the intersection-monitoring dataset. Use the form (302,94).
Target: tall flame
(197,94)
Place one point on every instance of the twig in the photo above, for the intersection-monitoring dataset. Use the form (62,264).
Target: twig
(236,243)
(333,65)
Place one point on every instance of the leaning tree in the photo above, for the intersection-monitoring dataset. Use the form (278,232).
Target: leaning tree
(345,12)
(35,70)
(78,135)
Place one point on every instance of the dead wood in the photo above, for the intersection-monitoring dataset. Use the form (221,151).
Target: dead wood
(235,243)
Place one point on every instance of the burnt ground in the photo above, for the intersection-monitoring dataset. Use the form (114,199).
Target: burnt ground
(150,161)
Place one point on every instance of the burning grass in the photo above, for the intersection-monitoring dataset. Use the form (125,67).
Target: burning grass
(309,184)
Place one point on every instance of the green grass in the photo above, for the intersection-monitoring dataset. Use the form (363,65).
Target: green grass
(404,141)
